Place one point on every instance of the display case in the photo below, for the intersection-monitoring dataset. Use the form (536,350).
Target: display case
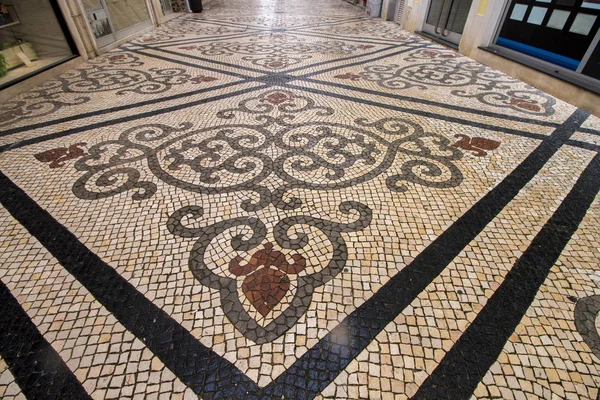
(33,38)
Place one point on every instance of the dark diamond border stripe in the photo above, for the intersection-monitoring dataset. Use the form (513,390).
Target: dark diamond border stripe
(313,372)
(210,375)
(467,362)
(37,368)
(204,371)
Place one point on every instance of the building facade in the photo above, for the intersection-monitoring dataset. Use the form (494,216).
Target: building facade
(550,44)
(42,38)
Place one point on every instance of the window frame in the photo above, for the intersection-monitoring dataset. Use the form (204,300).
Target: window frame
(574,77)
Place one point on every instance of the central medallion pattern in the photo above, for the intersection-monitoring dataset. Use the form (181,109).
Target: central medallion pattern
(276,51)
(266,148)
(299,151)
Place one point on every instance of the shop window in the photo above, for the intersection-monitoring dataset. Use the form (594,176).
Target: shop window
(583,24)
(112,20)
(536,16)
(557,36)
(33,38)
(166,7)
(126,13)
(518,12)
(558,19)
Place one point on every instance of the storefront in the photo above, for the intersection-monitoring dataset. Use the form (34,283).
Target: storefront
(551,44)
(41,38)
(560,33)
(33,38)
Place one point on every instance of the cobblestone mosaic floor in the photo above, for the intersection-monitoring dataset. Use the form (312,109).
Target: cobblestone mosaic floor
(279,200)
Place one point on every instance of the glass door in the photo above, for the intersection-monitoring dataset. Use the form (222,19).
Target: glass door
(166,6)
(33,38)
(99,22)
(112,20)
(446,19)
(128,16)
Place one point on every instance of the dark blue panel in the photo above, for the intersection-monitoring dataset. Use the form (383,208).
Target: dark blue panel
(545,55)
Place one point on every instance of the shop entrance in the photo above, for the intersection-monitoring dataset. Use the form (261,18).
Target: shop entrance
(446,19)
(166,6)
(33,38)
(112,20)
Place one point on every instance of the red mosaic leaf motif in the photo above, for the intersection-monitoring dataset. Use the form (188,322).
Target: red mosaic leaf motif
(476,145)
(265,288)
(200,79)
(348,75)
(435,53)
(116,57)
(275,64)
(268,258)
(9,115)
(56,157)
(278,98)
(530,105)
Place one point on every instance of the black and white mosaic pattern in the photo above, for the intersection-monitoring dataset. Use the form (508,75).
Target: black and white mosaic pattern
(282,199)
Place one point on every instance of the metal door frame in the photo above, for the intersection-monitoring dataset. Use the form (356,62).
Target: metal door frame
(440,29)
(117,35)
(106,39)
(399,12)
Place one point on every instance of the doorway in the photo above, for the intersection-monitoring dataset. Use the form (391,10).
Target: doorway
(166,6)
(112,20)
(446,19)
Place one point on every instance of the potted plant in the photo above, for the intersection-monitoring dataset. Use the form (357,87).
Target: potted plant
(3,67)
(10,51)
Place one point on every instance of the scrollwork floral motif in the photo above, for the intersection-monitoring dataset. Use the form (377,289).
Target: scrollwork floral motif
(123,80)
(240,157)
(35,104)
(465,73)
(427,165)
(113,72)
(105,169)
(306,282)
(276,51)
(445,68)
